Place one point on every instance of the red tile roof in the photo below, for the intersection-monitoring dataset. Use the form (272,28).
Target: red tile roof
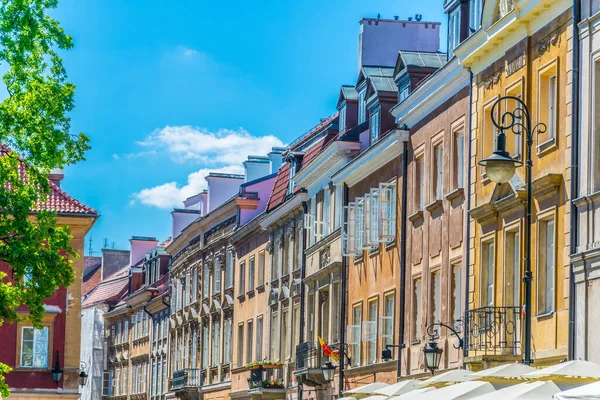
(91,280)
(316,149)
(280,187)
(108,291)
(316,129)
(58,200)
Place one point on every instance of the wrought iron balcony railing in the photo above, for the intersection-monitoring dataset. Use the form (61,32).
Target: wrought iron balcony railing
(186,378)
(308,355)
(493,330)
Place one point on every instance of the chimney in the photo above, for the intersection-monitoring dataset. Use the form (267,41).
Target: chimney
(380,40)
(276,158)
(256,167)
(140,245)
(221,187)
(56,176)
(113,260)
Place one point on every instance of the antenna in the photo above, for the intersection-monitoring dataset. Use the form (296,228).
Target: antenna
(418,17)
(90,250)
(105,243)
(113,245)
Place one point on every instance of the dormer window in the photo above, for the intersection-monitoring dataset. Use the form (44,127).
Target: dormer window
(475,7)
(453,31)
(403,93)
(342,120)
(292,173)
(362,105)
(375,125)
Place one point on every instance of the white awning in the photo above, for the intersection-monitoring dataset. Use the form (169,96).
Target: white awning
(504,371)
(399,388)
(379,397)
(576,369)
(454,376)
(585,392)
(366,390)
(541,390)
(460,391)
(415,394)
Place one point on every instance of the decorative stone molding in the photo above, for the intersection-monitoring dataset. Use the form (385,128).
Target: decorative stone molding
(325,257)
(279,241)
(553,39)
(290,233)
(492,80)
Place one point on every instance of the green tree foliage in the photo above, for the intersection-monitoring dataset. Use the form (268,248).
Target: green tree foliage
(35,124)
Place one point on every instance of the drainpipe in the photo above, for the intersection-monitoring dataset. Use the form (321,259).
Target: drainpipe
(402,293)
(574,172)
(302,289)
(343,289)
(468,228)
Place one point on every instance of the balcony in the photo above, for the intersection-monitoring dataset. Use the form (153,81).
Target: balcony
(309,359)
(185,383)
(493,334)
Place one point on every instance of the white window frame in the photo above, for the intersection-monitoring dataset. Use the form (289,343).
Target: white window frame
(348,227)
(387,208)
(359,223)
(375,125)
(374,217)
(362,105)
(33,346)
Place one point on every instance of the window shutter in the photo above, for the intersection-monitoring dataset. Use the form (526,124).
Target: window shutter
(359,224)
(374,236)
(386,328)
(107,384)
(387,205)
(369,331)
(348,226)
(309,224)
(353,334)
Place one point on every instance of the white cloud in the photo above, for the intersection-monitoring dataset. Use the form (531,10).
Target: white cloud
(188,52)
(170,194)
(225,146)
(115,156)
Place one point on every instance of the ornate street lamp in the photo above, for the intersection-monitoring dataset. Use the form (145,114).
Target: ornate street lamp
(500,168)
(328,372)
(433,354)
(82,375)
(57,372)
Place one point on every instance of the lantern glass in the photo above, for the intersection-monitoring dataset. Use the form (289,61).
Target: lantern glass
(433,356)
(328,371)
(57,374)
(82,378)
(500,171)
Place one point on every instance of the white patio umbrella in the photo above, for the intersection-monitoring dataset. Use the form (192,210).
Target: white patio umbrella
(364,391)
(460,391)
(585,392)
(569,369)
(504,371)
(347,398)
(379,397)
(541,390)
(399,388)
(415,394)
(450,377)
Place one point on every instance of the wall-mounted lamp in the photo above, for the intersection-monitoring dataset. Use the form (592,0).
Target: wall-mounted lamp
(57,373)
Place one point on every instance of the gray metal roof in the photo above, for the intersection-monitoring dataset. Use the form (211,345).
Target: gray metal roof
(379,71)
(384,84)
(423,59)
(349,92)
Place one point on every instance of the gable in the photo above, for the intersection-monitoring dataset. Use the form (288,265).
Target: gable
(495,10)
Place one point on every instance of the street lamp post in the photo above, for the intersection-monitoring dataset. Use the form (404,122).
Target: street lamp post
(500,168)
(432,353)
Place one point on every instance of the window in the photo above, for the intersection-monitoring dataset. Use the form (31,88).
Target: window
(375,126)
(370,331)
(354,335)
(240,349)
(359,224)
(195,285)
(475,15)
(459,159)
(205,281)
(187,291)
(436,290)
(342,119)
(457,295)
(453,31)
(117,382)
(417,310)
(259,338)
(251,265)
(487,274)
(205,344)
(512,268)
(514,139)
(594,161)
(387,210)
(34,347)
(296,329)
(490,133)
(373,237)
(164,376)
(386,328)
(438,177)
(261,268)
(249,335)
(362,105)
(292,174)
(229,269)
(545,281)
(124,381)
(126,330)
(348,230)
(227,340)
(337,215)
(107,383)
(242,284)
(285,335)
(217,277)
(403,94)
(193,363)
(326,212)
(216,338)
(119,338)
(335,320)
(274,337)
(420,184)
(548,95)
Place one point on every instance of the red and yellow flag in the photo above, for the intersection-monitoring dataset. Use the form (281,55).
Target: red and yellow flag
(328,351)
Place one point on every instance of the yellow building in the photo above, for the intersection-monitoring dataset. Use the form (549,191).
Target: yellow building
(522,49)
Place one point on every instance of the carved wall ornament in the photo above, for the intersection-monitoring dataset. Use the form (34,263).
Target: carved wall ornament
(514,65)
(492,80)
(269,246)
(279,241)
(325,257)
(290,233)
(553,39)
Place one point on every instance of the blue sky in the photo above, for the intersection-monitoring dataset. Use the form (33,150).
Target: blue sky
(164,87)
